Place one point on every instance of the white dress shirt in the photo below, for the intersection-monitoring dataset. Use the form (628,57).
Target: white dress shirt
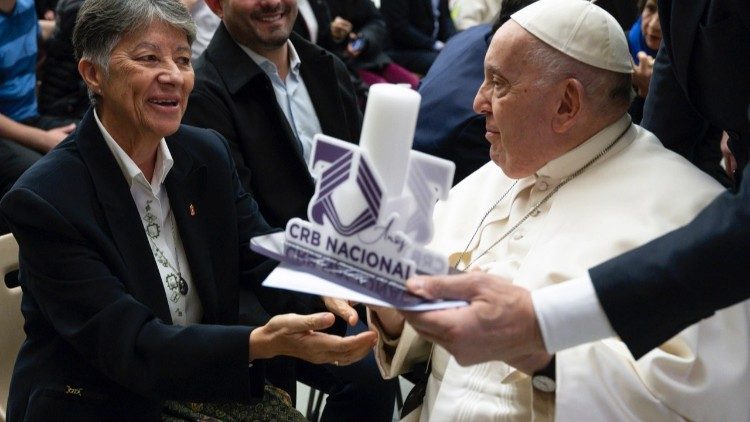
(292,96)
(570,314)
(185,309)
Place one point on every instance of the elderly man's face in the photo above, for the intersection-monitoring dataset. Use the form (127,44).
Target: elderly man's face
(150,78)
(517,110)
(261,25)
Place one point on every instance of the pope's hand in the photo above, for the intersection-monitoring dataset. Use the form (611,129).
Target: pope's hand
(390,320)
(498,324)
(342,308)
(299,336)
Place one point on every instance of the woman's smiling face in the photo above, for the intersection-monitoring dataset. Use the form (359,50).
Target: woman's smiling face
(145,92)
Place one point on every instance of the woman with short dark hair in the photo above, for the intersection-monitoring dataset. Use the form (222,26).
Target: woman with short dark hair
(133,239)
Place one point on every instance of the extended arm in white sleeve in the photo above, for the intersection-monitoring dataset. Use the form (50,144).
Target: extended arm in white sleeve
(569,314)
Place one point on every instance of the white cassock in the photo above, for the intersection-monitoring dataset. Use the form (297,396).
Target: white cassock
(634,193)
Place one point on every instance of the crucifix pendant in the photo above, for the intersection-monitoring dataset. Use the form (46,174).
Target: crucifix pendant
(182,285)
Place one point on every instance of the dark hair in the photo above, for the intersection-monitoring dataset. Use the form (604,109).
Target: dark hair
(101,24)
(642,5)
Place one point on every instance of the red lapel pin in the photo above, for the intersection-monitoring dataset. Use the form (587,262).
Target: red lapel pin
(192,210)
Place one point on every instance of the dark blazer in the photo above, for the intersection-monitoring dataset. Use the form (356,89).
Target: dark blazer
(62,92)
(366,22)
(411,23)
(700,79)
(235,97)
(100,344)
(323,18)
(447,125)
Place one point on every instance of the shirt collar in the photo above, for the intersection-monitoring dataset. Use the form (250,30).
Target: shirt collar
(128,167)
(572,160)
(269,67)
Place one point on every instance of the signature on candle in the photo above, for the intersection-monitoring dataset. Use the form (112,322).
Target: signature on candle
(379,232)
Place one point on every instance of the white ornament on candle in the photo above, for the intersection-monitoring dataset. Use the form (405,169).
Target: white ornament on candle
(388,132)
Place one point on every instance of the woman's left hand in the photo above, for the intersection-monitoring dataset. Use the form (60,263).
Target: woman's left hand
(299,336)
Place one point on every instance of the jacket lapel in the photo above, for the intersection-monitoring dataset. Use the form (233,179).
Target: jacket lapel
(239,72)
(237,69)
(123,219)
(320,80)
(185,185)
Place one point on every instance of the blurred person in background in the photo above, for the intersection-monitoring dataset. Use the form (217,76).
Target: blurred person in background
(644,39)
(418,30)
(25,134)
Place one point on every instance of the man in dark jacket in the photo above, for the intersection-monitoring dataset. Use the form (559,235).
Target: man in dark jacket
(419,29)
(62,92)
(268,92)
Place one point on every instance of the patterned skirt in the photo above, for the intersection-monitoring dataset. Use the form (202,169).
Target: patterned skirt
(275,406)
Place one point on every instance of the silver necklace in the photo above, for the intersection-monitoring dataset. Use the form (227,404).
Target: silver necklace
(175,281)
(183,286)
(533,209)
(480,225)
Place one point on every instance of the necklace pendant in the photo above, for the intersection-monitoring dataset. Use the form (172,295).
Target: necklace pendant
(183,286)
(152,230)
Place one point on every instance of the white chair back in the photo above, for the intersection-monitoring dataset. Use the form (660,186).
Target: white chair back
(11,320)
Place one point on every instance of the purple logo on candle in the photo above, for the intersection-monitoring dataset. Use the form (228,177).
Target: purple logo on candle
(342,169)
(371,215)
(354,219)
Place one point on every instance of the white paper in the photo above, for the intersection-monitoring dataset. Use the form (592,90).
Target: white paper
(288,277)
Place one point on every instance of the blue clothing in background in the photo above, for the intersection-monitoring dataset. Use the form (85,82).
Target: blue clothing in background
(18,35)
(637,42)
(447,125)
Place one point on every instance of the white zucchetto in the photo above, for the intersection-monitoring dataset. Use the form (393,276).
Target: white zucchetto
(579,29)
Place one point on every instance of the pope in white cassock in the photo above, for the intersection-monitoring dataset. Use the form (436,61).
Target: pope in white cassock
(579,184)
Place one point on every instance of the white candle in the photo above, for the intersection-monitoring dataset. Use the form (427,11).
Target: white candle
(388,132)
